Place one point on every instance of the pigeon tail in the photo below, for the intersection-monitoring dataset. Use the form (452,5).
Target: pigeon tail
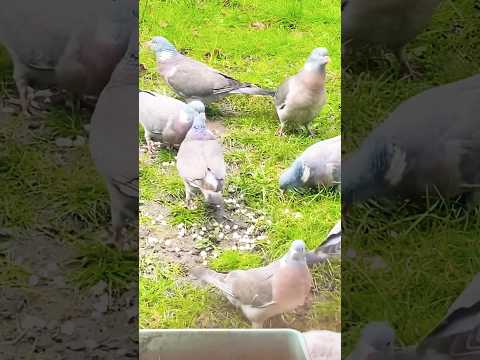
(251,89)
(213,278)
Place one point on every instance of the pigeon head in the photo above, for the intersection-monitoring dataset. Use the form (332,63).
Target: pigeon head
(297,251)
(317,60)
(372,171)
(292,177)
(197,106)
(162,47)
(199,121)
(377,341)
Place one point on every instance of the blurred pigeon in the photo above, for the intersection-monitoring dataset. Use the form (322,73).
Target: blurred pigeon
(390,23)
(39,35)
(114,138)
(200,162)
(376,342)
(35,35)
(93,51)
(456,337)
(194,80)
(323,344)
(428,144)
(458,334)
(319,165)
(301,97)
(164,119)
(331,247)
(261,293)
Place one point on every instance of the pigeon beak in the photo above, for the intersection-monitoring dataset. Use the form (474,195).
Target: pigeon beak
(326,59)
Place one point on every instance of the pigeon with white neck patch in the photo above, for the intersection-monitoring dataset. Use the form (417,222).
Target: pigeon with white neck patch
(164,119)
(264,292)
(319,165)
(301,97)
(430,144)
(193,80)
(200,162)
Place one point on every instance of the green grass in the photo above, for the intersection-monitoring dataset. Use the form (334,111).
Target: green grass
(262,42)
(98,262)
(431,249)
(55,192)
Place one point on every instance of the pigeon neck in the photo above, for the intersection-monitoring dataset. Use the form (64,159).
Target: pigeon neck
(315,67)
(164,55)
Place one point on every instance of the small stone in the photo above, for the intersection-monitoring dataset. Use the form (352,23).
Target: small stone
(177,249)
(204,263)
(251,229)
(203,254)
(220,236)
(181,233)
(99,288)
(79,141)
(168,243)
(227,227)
(33,280)
(67,328)
(152,240)
(261,237)
(235,236)
(101,305)
(63,142)
(235,227)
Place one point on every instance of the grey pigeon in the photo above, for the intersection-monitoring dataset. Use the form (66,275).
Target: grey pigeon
(456,337)
(323,344)
(390,23)
(428,144)
(35,35)
(264,292)
(301,97)
(193,80)
(200,162)
(164,118)
(458,334)
(376,342)
(114,138)
(93,51)
(331,247)
(42,36)
(319,165)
